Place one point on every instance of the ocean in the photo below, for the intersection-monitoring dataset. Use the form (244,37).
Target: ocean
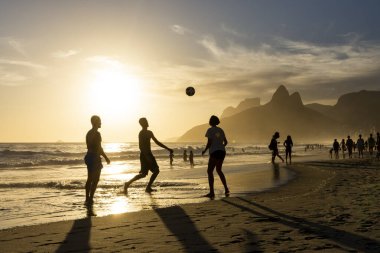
(44,182)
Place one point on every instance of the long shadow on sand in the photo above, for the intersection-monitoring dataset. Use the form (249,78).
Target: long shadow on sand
(354,241)
(180,224)
(78,239)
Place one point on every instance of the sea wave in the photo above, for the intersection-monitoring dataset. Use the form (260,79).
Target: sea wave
(24,159)
(77,184)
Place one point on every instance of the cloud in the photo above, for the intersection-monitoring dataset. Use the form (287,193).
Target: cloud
(231,31)
(22,63)
(105,60)
(15,44)
(65,54)
(179,29)
(15,72)
(237,71)
(9,78)
(209,43)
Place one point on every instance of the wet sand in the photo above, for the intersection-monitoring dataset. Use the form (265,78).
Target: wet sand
(331,206)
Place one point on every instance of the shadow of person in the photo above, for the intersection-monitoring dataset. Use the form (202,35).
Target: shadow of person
(354,241)
(180,224)
(78,238)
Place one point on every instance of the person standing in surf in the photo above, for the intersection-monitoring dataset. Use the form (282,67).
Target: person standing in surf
(147,160)
(93,158)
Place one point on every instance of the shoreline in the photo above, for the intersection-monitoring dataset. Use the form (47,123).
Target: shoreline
(243,179)
(330,205)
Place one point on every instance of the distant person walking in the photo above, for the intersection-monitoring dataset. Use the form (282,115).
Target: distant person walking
(185,155)
(371,144)
(273,146)
(147,160)
(191,158)
(288,143)
(343,148)
(93,158)
(336,148)
(171,157)
(350,145)
(216,143)
(360,145)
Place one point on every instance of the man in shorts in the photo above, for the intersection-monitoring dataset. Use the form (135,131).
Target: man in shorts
(93,159)
(147,160)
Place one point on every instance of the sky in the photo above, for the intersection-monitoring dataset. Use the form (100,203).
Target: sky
(63,61)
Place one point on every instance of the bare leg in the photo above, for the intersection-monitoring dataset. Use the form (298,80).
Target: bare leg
(282,159)
(210,173)
(87,187)
(92,185)
(222,177)
(137,177)
(151,180)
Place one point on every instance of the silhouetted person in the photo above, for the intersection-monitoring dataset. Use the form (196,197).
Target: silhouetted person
(191,158)
(336,148)
(216,143)
(185,155)
(371,144)
(350,145)
(274,148)
(93,158)
(378,145)
(360,145)
(331,152)
(288,143)
(343,148)
(147,160)
(171,155)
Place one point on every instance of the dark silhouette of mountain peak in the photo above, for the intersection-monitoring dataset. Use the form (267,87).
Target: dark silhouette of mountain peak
(287,114)
(282,98)
(295,99)
(281,94)
(244,105)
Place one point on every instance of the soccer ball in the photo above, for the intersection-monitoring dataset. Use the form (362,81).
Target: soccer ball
(190,91)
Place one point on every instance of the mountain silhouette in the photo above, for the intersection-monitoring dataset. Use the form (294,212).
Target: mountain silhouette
(244,105)
(357,111)
(284,113)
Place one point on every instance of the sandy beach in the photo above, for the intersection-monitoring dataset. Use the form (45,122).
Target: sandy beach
(331,206)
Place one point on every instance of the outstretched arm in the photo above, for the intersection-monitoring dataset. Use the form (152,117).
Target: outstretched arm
(160,144)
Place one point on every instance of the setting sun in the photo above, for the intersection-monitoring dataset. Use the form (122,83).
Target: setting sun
(113,91)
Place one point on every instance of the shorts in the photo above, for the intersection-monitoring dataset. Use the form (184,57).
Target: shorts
(218,155)
(148,163)
(275,152)
(93,162)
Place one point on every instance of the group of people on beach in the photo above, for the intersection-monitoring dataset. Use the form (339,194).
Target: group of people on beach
(186,158)
(216,142)
(361,145)
(273,145)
